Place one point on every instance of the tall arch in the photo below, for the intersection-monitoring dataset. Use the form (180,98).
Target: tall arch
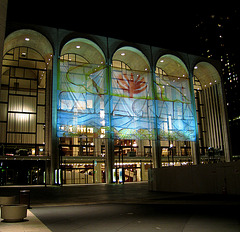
(27,63)
(131,110)
(174,111)
(211,110)
(131,89)
(82,120)
(25,97)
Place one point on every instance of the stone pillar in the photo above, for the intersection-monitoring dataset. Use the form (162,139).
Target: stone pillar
(196,148)
(54,148)
(98,172)
(3,17)
(109,160)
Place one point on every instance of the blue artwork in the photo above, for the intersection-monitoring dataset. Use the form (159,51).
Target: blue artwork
(130,106)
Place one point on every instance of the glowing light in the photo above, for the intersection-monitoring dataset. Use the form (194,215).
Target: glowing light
(27,39)
(123,54)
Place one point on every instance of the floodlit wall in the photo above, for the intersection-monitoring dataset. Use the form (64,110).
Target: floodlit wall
(106,90)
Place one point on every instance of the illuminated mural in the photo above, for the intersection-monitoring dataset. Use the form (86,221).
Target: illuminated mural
(137,103)
(175,120)
(81,100)
(132,104)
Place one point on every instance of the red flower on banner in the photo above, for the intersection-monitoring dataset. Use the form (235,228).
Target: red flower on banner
(130,85)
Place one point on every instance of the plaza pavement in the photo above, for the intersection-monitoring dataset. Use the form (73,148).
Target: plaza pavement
(128,207)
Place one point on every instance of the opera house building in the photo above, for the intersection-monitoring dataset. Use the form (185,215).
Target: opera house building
(81,109)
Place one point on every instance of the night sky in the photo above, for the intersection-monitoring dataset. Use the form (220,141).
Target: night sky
(169,25)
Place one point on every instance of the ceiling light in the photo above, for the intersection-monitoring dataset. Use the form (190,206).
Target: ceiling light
(27,39)
(123,54)
(78,46)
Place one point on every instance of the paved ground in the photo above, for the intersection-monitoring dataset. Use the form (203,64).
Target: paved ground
(129,207)
(138,218)
(136,193)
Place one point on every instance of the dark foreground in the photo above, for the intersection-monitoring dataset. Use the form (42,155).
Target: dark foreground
(130,207)
(139,218)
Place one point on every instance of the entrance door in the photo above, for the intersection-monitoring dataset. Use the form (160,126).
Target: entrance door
(132,174)
(78,176)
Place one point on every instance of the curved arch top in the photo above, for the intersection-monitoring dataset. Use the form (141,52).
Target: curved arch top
(133,57)
(207,74)
(29,38)
(172,65)
(85,48)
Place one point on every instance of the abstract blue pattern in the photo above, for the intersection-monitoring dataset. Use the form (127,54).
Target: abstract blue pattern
(132,105)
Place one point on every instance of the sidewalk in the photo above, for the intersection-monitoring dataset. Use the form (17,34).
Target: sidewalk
(32,223)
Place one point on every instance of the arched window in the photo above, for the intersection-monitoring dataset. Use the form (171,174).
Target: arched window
(209,109)
(27,64)
(131,91)
(132,117)
(175,119)
(23,99)
(82,91)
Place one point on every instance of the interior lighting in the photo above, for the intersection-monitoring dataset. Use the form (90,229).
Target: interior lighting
(78,46)
(27,39)
(195,67)
(123,54)
(162,61)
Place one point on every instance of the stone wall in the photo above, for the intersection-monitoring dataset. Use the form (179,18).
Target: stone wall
(222,178)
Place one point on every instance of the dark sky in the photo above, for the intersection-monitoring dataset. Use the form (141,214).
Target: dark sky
(168,26)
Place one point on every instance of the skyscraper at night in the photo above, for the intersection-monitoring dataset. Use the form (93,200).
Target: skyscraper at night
(218,33)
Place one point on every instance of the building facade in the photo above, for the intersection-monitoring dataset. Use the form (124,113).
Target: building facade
(79,108)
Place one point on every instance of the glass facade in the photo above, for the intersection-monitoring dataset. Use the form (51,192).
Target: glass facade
(95,114)
(23,102)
